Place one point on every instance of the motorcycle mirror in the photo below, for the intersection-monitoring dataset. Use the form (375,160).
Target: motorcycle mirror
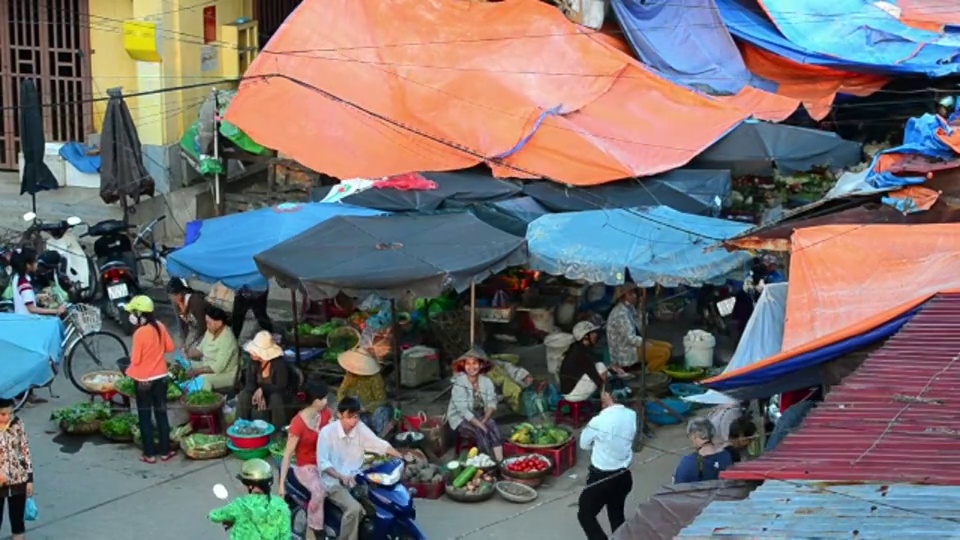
(220,492)
(73,221)
(29,216)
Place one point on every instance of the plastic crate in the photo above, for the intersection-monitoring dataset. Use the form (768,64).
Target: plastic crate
(431,491)
(563,458)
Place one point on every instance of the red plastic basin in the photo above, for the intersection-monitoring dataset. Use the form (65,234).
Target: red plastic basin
(250,443)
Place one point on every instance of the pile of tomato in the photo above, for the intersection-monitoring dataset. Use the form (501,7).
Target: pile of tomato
(528,464)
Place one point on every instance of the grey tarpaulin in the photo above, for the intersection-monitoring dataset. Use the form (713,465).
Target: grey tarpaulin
(670,511)
(390,255)
(692,191)
(454,190)
(121,172)
(757,148)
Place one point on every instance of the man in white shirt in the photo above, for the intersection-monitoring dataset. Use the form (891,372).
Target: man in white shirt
(340,448)
(609,436)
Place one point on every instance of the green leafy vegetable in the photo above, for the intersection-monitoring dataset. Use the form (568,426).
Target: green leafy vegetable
(120,426)
(81,413)
(203,397)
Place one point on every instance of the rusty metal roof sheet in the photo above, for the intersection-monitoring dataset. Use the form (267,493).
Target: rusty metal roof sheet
(896,419)
(786,510)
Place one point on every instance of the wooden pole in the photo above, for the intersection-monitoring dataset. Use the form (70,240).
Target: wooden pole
(473,314)
(217,199)
(641,402)
(395,330)
(296,324)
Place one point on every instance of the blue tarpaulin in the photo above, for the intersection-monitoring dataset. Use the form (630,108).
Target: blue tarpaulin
(784,369)
(27,345)
(746,20)
(686,42)
(224,247)
(656,245)
(919,138)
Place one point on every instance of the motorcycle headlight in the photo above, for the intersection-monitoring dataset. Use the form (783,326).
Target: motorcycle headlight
(386,479)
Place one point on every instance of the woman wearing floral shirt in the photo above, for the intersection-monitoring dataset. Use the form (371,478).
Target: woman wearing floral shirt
(16,469)
(623,336)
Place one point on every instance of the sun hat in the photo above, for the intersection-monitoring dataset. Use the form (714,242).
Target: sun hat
(582,328)
(358,362)
(264,346)
(475,352)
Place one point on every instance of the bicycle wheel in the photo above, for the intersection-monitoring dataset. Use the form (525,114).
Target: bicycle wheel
(20,400)
(96,351)
(149,271)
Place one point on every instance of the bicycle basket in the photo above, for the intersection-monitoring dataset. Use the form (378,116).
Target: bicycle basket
(86,318)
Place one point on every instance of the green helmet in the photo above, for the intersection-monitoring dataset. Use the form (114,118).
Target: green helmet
(139,304)
(256,470)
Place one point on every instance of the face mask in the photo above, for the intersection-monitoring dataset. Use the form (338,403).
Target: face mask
(134,320)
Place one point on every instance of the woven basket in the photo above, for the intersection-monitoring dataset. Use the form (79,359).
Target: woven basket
(546,446)
(85,318)
(206,453)
(85,429)
(203,409)
(306,341)
(532,475)
(530,493)
(95,388)
(461,495)
(117,439)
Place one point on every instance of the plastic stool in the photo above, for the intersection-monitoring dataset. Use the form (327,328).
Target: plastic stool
(209,423)
(461,442)
(580,413)
(108,396)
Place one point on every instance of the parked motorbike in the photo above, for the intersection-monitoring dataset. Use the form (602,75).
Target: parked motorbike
(77,268)
(117,268)
(388,506)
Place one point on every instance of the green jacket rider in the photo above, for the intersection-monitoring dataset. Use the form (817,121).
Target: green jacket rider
(257,515)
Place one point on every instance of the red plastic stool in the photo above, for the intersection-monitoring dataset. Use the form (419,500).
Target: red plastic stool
(108,395)
(580,413)
(209,423)
(461,442)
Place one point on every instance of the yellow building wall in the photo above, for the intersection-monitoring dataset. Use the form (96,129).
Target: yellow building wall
(163,117)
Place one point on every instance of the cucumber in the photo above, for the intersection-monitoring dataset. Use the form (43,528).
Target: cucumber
(464,477)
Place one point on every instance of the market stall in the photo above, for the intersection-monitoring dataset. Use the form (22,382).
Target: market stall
(650,246)
(392,257)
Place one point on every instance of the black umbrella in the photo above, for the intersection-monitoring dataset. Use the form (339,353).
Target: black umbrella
(758,148)
(122,173)
(37,176)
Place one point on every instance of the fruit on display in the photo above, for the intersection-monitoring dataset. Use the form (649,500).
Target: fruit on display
(475,459)
(527,464)
(543,435)
(422,473)
(473,481)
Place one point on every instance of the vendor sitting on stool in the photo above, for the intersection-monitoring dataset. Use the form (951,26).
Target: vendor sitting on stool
(623,330)
(364,382)
(473,402)
(580,373)
(218,354)
(267,382)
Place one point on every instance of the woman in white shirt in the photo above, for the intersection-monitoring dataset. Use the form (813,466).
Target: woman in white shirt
(24,263)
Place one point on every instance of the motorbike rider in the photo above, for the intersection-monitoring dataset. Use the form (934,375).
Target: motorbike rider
(257,515)
(340,448)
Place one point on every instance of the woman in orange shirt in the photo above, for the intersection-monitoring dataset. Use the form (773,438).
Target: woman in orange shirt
(302,443)
(148,367)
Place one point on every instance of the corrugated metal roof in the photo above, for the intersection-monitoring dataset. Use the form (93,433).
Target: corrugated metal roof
(822,511)
(896,419)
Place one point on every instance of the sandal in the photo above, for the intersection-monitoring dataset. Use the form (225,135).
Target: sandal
(168,457)
(148,460)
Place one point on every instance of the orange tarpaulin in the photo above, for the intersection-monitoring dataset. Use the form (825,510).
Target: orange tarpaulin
(372,88)
(815,86)
(931,15)
(848,279)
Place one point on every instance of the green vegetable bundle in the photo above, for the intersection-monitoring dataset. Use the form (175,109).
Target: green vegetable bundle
(204,442)
(119,427)
(81,413)
(203,397)
(128,387)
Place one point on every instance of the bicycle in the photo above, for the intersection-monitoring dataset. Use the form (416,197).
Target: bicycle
(150,263)
(84,332)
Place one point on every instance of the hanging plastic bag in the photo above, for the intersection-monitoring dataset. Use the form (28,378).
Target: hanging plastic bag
(193,385)
(31,512)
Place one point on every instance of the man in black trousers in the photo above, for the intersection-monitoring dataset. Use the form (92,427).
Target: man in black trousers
(245,300)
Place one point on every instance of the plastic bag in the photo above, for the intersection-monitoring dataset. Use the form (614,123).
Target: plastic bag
(31,512)
(193,385)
